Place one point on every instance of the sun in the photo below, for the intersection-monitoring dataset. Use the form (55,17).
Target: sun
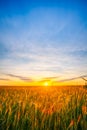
(46,84)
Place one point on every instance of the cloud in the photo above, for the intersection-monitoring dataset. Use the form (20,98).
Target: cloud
(79,77)
(50,77)
(46,62)
(42,43)
(20,77)
(5,79)
(79,53)
(4,51)
(84,79)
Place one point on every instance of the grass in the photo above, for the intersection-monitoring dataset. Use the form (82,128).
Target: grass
(38,108)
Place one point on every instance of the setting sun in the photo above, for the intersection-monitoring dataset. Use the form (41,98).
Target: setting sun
(46,84)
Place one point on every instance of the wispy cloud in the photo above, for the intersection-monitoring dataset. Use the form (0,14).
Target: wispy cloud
(79,53)
(5,79)
(49,78)
(79,77)
(43,43)
(20,77)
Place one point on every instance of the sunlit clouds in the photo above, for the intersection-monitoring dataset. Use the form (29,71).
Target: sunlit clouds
(45,41)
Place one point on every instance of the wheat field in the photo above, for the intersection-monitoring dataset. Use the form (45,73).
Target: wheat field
(39,108)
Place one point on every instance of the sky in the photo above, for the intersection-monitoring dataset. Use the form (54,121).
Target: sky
(42,38)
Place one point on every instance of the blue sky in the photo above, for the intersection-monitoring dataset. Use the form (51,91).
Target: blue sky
(43,38)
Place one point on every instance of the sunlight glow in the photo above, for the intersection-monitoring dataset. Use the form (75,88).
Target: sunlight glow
(46,84)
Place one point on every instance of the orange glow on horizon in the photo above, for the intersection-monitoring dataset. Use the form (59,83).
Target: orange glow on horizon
(40,83)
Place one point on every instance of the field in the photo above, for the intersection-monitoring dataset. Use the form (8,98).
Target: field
(43,108)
